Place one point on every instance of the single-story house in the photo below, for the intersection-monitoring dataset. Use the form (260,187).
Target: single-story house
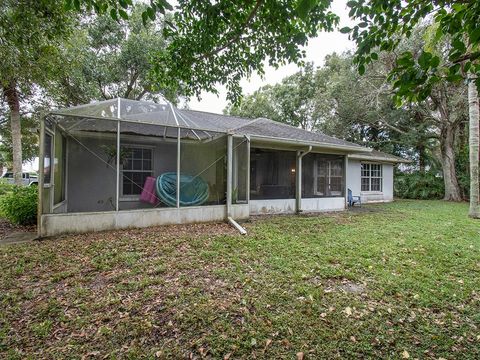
(181,166)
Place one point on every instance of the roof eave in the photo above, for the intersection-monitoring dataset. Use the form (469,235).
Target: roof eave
(379,159)
(278,140)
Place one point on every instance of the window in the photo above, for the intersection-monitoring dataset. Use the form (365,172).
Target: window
(371,177)
(328,177)
(59,168)
(137,166)
(47,160)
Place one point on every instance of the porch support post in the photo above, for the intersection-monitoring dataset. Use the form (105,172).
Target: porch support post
(117,197)
(248,169)
(178,167)
(345,173)
(229,173)
(41,169)
(298,183)
(298,179)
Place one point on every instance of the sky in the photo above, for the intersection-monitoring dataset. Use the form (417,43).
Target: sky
(316,50)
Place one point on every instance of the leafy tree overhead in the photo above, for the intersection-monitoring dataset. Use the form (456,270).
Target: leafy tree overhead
(108,59)
(382,24)
(213,42)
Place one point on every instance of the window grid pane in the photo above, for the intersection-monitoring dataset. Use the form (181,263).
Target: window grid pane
(137,166)
(371,177)
(328,177)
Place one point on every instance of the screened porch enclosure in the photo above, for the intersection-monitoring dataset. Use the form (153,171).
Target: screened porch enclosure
(123,155)
(323,175)
(123,163)
(273,175)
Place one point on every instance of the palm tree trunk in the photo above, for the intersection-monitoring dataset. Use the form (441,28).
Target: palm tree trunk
(474,135)
(13,100)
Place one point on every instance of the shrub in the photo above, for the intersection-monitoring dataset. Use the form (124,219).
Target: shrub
(19,206)
(417,185)
(5,187)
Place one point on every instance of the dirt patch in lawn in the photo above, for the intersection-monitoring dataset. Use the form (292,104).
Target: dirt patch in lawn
(7,228)
(341,285)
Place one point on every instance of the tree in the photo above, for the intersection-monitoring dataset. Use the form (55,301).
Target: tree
(213,42)
(108,59)
(29,34)
(474,149)
(381,23)
(29,137)
(292,101)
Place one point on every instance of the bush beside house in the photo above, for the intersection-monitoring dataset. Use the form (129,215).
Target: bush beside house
(18,204)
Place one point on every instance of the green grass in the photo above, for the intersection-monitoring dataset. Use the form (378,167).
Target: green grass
(203,291)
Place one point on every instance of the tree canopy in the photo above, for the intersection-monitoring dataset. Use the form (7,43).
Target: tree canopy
(382,24)
(212,42)
(108,59)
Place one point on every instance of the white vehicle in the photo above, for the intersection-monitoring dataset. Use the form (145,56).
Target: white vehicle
(28,179)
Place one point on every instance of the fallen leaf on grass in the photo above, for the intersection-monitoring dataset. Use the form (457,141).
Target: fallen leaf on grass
(405,354)
(348,311)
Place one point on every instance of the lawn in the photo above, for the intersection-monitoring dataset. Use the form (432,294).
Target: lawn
(399,280)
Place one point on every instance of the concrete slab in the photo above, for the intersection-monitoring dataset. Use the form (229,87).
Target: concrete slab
(18,237)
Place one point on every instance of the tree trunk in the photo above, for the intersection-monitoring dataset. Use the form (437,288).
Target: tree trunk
(13,100)
(447,137)
(421,158)
(474,135)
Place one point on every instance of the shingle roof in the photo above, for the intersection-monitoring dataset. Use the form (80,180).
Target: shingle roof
(211,121)
(274,129)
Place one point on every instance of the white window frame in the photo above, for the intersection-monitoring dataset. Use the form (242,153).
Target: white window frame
(370,177)
(50,133)
(328,175)
(316,176)
(132,197)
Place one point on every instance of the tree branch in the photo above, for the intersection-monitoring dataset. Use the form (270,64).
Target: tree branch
(236,34)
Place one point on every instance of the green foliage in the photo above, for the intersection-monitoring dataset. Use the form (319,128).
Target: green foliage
(418,185)
(381,24)
(462,164)
(30,33)
(117,9)
(5,187)
(108,59)
(293,101)
(337,101)
(213,42)
(20,205)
